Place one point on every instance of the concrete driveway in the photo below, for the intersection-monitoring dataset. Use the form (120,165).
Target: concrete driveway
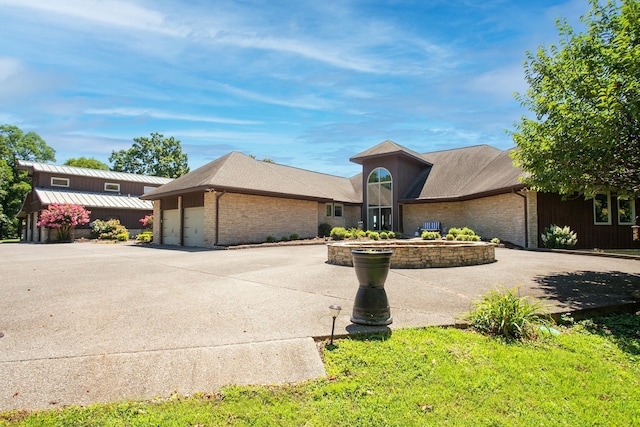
(86,322)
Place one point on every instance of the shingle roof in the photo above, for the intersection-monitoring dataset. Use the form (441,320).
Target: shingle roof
(239,172)
(94,173)
(91,200)
(386,148)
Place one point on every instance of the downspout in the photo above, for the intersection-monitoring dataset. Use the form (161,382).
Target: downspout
(526,219)
(218,196)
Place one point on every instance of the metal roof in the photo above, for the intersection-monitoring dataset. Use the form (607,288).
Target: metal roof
(94,173)
(91,200)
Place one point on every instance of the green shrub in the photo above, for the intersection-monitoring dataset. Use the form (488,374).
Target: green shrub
(361,234)
(495,241)
(122,237)
(145,237)
(502,313)
(374,235)
(107,230)
(324,230)
(384,235)
(391,234)
(430,235)
(294,236)
(271,239)
(464,234)
(454,232)
(338,233)
(450,237)
(555,237)
(284,238)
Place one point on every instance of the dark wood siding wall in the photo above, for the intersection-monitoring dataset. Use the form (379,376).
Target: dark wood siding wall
(193,200)
(128,217)
(93,184)
(577,213)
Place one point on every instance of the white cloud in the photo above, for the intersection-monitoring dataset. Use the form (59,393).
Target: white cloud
(108,12)
(500,83)
(155,114)
(309,103)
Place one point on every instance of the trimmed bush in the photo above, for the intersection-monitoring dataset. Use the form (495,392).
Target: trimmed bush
(495,241)
(338,233)
(271,239)
(294,236)
(384,235)
(145,237)
(555,237)
(107,230)
(430,235)
(324,230)
(391,234)
(374,235)
(122,237)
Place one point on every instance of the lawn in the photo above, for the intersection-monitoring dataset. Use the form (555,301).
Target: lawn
(587,375)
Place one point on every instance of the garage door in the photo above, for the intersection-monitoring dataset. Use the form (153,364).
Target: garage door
(171,227)
(193,225)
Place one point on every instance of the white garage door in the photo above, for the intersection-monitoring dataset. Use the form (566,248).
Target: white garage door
(171,227)
(193,225)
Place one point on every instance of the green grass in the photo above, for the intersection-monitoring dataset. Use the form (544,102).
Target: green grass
(9,241)
(588,375)
(635,252)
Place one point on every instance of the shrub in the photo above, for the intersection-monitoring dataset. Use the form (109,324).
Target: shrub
(64,218)
(503,313)
(374,235)
(384,235)
(294,236)
(145,237)
(555,237)
(324,230)
(450,237)
(454,232)
(284,238)
(271,239)
(391,234)
(107,230)
(430,235)
(361,234)
(464,234)
(495,241)
(122,237)
(338,233)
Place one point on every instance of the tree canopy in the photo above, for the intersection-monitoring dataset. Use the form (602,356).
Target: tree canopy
(83,162)
(156,156)
(584,136)
(14,184)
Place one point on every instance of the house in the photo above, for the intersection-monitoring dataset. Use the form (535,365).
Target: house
(237,199)
(106,194)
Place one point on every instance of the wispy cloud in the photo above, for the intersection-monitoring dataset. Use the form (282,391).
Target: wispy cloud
(165,115)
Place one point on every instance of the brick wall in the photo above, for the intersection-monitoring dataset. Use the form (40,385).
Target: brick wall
(350,216)
(500,216)
(209,229)
(250,219)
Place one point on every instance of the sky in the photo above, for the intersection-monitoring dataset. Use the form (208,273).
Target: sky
(304,83)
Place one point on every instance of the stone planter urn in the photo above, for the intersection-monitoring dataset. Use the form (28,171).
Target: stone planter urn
(371,306)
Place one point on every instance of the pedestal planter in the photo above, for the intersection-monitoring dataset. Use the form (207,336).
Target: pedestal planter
(371,306)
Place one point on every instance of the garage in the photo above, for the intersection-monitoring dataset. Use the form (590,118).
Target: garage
(171,227)
(193,227)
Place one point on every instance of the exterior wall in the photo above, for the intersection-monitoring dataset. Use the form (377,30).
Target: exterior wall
(157,223)
(85,183)
(532,212)
(577,213)
(500,216)
(210,218)
(350,216)
(250,219)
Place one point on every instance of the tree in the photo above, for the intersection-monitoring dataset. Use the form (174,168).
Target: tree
(64,218)
(14,184)
(83,162)
(585,95)
(157,156)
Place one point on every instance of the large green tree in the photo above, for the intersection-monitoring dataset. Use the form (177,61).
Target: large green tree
(89,163)
(156,156)
(584,133)
(15,184)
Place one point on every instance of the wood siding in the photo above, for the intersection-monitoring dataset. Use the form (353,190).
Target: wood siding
(577,213)
(92,184)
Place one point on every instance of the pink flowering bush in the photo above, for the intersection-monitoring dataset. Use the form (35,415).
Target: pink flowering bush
(147,221)
(63,217)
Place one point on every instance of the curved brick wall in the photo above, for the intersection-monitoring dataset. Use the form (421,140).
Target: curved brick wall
(418,253)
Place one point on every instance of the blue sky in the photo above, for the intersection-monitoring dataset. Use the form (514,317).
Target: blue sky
(305,83)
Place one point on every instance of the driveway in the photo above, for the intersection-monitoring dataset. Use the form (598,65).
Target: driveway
(87,322)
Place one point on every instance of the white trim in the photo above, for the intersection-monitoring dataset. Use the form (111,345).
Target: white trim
(57,178)
(112,186)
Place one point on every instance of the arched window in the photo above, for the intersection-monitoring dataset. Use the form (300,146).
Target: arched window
(380,200)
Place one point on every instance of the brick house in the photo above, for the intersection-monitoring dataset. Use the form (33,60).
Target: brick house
(237,199)
(106,194)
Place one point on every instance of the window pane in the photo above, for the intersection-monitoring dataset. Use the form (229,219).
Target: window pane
(601,211)
(373,176)
(328,210)
(337,210)
(626,211)
(384,175)
(373,194)
(373,218)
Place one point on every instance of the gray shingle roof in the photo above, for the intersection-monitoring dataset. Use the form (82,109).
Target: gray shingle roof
(386,148)
(95,173)
(239,172)
(91,200)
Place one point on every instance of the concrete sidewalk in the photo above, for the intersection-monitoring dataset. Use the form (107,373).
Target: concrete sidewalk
(88,322)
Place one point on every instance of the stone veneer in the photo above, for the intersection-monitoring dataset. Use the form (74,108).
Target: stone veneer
(417,253)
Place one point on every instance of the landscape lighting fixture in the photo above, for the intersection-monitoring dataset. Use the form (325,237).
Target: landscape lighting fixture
(335,311)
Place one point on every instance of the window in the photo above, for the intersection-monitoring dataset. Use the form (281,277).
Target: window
(112,186)
(59,182)
(602,209)
(379,200)
(337,210)
(147,189)
(329,210)
(626,211)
